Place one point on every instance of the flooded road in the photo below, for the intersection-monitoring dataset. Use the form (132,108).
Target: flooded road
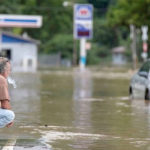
(75,111)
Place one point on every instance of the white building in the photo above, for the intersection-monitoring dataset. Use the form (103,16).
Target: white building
(118,56)
(21,50)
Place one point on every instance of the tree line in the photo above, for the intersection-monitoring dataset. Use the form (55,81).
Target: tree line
(110,27)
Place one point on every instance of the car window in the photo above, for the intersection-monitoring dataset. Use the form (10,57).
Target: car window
(145,67)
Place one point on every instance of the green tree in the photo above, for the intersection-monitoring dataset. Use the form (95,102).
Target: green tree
(56,33)
(97,54)
(127,12)
(56,18)
(103,34)
(61,43)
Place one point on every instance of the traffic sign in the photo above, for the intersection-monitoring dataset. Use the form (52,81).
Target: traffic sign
(145,46)
(26,21)
(144,33)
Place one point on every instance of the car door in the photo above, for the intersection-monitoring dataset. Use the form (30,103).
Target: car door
(141,86)
(142,80)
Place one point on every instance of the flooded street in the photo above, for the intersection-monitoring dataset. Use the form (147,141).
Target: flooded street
(75,111)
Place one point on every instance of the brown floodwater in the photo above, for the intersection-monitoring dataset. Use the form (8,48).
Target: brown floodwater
(76,111)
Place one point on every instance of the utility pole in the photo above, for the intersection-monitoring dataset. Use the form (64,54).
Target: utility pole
(74,56)
(133,45)
(74,52)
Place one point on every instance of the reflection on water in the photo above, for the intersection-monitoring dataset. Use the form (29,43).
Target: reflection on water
(82,92)
(82,84)
(25,102)
(147,106)
(25,99)
(75,112)
(82,108)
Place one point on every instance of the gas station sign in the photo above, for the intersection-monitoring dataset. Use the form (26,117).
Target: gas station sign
(83,21)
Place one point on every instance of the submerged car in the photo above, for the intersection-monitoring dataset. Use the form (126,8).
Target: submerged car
(140,83)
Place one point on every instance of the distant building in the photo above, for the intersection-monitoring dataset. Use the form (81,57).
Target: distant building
(21,50)
(118,55)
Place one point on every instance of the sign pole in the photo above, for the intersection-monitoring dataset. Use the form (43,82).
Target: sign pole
(82,54)
(145,45)
(133,45)
(83,28)
(74,53)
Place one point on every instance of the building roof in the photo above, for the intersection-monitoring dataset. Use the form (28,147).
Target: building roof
(11,38)
(119,49)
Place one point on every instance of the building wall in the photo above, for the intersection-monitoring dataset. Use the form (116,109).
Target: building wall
(119,59)
(21,53)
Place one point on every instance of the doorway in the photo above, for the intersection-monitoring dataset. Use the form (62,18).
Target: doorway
(6,53)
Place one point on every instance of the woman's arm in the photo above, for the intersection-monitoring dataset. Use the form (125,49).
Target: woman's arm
(5,104)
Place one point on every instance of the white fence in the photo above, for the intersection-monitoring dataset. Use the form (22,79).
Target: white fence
(55,60)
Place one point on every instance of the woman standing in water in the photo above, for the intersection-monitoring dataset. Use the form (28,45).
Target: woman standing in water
(6,114)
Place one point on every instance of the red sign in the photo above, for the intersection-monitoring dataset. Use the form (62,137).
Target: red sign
(145,47)
(84,12)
